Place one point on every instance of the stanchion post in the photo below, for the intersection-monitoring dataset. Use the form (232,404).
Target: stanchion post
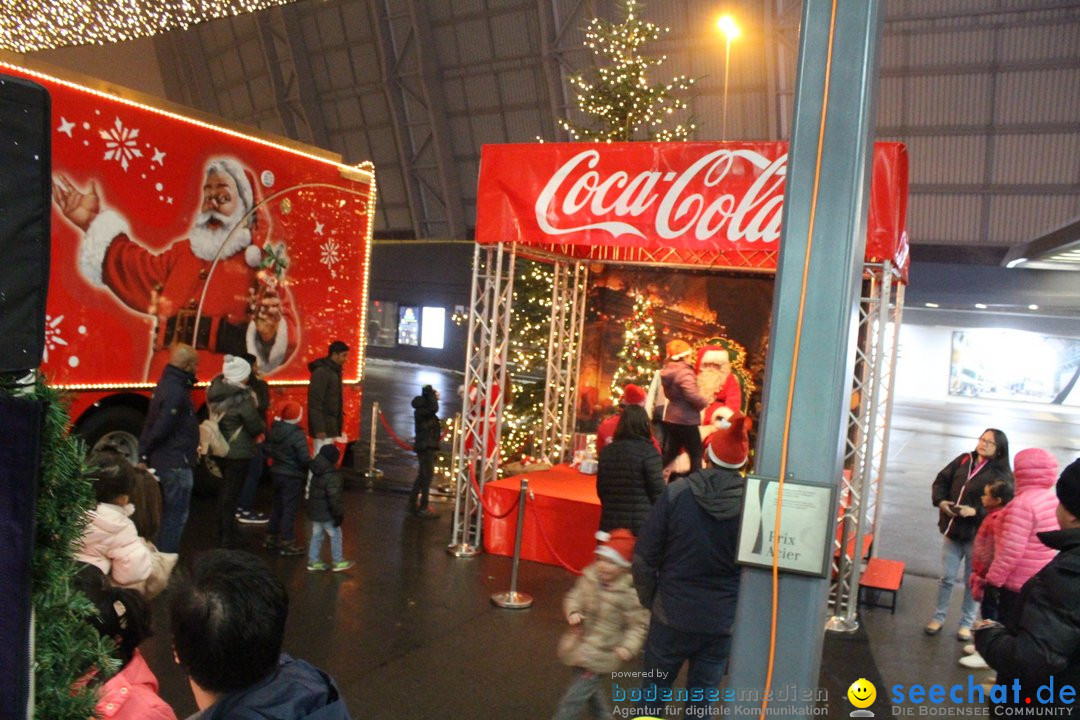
(512,599)
(372,474)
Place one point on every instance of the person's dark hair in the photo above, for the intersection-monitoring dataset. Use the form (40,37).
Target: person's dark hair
(111,473)
(633,424)
(336,347)
(1001,489)
(123,614)
(146,497)
(1000,459)
(228,620)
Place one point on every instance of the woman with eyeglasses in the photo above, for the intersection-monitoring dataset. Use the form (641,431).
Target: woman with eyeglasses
(957,493)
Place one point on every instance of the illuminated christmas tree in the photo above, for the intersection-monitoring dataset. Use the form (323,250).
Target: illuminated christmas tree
(639,357)
(616,96)
(530,326)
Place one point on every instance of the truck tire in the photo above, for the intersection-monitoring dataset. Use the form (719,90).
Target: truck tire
(118,426)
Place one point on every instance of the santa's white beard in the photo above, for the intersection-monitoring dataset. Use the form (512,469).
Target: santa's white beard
(206,239)
(710,381)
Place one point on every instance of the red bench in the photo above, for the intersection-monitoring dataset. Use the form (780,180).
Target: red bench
(880,576)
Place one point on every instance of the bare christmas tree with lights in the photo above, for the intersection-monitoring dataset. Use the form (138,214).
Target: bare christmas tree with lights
(616,96)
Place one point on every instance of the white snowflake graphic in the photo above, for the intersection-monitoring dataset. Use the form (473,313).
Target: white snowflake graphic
(52,334)
(121,143)
(330,256)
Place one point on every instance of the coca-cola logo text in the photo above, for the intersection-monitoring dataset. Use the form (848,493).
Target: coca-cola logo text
(578,197)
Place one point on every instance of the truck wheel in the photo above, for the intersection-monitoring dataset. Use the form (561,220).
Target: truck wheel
(117,426)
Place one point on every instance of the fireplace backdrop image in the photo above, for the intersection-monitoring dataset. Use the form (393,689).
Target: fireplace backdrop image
(632,313)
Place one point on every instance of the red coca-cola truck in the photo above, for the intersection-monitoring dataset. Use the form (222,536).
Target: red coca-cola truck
(171,227)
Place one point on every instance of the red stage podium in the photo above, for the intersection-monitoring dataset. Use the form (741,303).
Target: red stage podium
(565,507)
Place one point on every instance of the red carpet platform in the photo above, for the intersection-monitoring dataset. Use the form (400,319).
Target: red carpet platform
(565,506)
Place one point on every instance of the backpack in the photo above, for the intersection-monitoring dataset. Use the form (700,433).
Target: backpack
(212,443)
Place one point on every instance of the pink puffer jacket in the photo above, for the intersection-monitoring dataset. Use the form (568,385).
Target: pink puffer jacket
(1018,553)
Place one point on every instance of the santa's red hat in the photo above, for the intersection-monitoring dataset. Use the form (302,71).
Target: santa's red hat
(729,446)
(616,546)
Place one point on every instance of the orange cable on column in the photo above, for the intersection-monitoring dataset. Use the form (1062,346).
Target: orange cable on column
(795,362)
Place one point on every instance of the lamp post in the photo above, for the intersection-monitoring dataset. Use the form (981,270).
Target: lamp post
(730,29)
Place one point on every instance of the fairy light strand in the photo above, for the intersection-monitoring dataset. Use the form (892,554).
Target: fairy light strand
(46,24)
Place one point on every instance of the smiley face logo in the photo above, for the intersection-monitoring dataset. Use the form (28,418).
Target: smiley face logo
(862,693)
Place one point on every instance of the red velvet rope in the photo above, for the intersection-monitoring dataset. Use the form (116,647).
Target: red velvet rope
(393,435)
(397,439)
(544,537)
(483,500)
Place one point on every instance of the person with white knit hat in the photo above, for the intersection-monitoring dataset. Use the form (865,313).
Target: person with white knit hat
(607,626)
(685,572)
(287,444)
(240,423)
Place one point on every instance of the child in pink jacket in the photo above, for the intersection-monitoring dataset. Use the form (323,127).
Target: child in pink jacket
(996,494)
(1018,553)
(110,541)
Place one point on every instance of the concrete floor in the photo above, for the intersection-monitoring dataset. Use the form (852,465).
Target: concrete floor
(410,631)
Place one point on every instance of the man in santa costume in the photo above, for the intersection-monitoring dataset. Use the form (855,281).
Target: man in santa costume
(716,380)
(202,290)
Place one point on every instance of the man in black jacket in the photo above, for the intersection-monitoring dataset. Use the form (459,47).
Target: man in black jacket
(170,442)
(685,572)
(1037,652)
(428,429)
(325,409)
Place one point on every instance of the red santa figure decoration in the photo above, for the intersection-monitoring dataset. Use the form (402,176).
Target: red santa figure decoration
(485,414)
(215,290)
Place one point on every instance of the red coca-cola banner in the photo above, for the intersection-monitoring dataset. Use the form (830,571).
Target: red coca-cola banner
(714,204)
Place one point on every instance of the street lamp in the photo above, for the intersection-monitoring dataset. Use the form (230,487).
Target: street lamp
(730,29)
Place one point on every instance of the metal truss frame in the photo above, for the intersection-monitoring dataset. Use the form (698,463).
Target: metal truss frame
(491,309)
(866,448)
(568,293)
(485,377)
(725,259)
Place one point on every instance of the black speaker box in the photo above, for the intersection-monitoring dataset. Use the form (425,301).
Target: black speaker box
(25,190)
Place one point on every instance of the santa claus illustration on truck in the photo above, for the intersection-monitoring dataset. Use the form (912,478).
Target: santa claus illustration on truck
(217,290)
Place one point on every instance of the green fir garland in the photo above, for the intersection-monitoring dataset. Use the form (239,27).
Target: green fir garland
(66,645)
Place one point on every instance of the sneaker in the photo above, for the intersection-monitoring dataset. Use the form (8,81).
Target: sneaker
(969,649)
(975,661)
(249,517)
(964,634)
(317,566)
(343,565)
(290,549)
(933,627)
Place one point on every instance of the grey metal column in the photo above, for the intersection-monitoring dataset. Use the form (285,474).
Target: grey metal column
(810,359)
